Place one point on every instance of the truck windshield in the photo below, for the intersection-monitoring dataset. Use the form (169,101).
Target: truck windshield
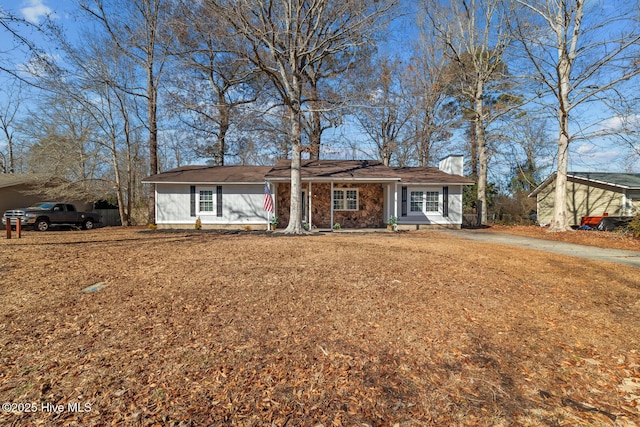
(44,206)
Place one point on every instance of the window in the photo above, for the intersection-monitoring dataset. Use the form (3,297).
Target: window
(206,201)
(432,201)
(417,201)
(352,200)
(424,202)
(345,199)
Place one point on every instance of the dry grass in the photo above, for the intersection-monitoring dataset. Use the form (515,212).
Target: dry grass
(601,239)
(249,329)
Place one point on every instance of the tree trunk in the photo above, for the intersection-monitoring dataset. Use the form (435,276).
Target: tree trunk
(295,113)
(315,133)
(386,156)
(315,136)
(224,128)
(560,221)
(153,140)
(12,164)
(473,151)
(295,224)
(130,183)
(481,149)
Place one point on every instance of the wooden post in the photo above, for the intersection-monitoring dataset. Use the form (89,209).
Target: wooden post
(19,227)
(8,228)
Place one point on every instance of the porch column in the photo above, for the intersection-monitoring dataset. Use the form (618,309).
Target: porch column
(623,210)
(331,205)
(395,199)
(309,195)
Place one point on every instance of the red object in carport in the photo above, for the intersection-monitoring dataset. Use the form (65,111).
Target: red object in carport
(592,221)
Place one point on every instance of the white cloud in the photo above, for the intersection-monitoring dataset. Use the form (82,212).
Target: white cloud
(586,149)
(591,157)
(38,66)
(617,123)
(35,10)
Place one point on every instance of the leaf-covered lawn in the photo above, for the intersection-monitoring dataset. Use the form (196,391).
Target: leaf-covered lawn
(251,329)
(618,239)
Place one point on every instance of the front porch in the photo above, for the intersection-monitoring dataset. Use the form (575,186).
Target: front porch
(352,205)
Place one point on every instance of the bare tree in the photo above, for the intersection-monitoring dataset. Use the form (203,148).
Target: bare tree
(323,100)
(136,28)
(63,149)
(21,45)
(626,125)
(101,82)
(287,37)
(580,52)
(104,96)
(434,114)
(8,121)
(476,37)
(383,110)
(212,82)
(527,144)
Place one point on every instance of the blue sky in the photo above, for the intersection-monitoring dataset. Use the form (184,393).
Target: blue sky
(594,155)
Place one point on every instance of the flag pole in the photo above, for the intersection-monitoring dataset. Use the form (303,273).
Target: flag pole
(266,184)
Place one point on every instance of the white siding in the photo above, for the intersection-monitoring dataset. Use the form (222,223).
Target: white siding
(241,205)
(436,218)
(173,204)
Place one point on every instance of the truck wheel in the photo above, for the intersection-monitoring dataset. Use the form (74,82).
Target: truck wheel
(42,224)
(88,224)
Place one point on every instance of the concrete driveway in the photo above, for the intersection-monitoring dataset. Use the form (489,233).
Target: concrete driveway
(631,258)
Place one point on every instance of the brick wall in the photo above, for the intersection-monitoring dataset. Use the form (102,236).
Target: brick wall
(370,213)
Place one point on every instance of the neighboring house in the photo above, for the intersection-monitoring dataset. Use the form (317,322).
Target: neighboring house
(24,190)
(591,194)
(17,191)
(353,193)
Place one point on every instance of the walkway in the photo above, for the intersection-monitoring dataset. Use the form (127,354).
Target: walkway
(631,258)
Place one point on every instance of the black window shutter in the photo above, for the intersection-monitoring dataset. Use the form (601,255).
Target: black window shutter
(404,201)
(445,201)
(219,200)
(193,200)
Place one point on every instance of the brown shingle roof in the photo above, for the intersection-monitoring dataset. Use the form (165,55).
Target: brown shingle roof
(311,170)
(211,174)
(335,170)
(9,179)
(429,175)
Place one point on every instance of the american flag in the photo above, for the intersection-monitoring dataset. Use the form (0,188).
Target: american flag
(268,201)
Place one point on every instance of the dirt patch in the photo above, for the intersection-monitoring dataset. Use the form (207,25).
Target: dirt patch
(193,328)
(600,239)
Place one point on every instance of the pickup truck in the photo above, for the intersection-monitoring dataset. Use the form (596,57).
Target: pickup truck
(44,215)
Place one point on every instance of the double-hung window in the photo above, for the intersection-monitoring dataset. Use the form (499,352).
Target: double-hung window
(206,201)
(417,201)
(424,202)
(432,199)
(345,199)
